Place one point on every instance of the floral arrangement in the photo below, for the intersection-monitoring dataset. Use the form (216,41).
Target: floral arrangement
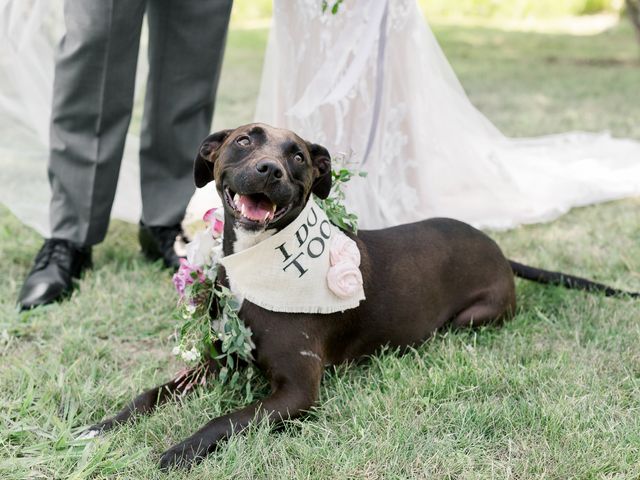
(333,205)
(201,298)
(344,277)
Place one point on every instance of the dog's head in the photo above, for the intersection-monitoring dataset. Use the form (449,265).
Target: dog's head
(264,175)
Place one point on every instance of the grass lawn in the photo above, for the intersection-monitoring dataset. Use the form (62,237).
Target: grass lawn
(555,393)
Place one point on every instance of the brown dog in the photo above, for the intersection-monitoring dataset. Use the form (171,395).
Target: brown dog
(417,278)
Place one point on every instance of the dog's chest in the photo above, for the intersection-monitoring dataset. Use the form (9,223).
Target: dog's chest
(247,239)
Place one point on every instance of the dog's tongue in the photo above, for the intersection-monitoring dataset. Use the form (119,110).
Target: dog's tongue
(255,208)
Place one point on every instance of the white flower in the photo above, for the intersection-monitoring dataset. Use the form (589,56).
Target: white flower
(199,249)
(216,325)
(190,356)
(219,324)
(216,254)
(213,260)
(191,309)
(212,272)
(186,356)
(343,160)
(175,351)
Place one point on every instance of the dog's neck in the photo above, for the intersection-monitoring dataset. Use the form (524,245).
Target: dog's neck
(237,239)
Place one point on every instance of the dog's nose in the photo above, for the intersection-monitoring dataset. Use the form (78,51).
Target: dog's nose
(269,168)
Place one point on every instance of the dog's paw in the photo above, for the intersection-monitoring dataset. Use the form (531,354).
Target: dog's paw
(96,430)
(182,455)
(99,428)
(89,434)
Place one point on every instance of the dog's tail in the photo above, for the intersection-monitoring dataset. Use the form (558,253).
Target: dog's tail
(569,281)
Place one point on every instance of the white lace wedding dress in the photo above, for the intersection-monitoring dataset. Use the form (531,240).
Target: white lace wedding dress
(372,84)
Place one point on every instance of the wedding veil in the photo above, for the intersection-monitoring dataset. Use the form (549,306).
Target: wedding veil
(29,32)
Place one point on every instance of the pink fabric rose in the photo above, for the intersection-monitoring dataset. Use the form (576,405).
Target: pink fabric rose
(214,218)
(187,274)
(344,279)
(343,249)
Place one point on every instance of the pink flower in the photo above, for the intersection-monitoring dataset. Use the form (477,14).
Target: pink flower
(344,279)
(187,274)
(179,283)
(214,218)
(208,216)
(343,249)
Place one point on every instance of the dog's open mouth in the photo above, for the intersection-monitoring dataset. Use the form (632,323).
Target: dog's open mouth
(255,208)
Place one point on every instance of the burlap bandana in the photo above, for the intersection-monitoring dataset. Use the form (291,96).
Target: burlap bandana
(288,271)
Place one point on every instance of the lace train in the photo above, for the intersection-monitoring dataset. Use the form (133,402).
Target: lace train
(372,84)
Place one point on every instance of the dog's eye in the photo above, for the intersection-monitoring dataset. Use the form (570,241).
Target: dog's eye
(298,157)
(243,141)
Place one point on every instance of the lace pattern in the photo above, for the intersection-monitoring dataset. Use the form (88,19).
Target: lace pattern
(430,151)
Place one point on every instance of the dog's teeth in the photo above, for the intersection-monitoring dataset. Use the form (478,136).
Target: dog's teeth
(236,198)
(273,208)
(242,210)
(266,216)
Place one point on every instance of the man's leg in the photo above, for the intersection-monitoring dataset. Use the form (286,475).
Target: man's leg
(186,45)
(92,101)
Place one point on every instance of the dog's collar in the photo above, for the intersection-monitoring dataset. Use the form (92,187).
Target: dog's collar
(310,266)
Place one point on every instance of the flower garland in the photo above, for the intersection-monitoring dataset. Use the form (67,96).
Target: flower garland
(226,339)
(333,205)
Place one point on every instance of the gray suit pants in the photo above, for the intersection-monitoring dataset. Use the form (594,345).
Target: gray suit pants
(93,99)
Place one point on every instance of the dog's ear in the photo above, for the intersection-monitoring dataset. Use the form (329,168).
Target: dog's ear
(321,161)
(207,153)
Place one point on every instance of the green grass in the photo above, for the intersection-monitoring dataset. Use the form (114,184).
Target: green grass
(555,393)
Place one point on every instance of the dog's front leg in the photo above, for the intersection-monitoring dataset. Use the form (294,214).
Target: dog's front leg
(147,401)
(291,395)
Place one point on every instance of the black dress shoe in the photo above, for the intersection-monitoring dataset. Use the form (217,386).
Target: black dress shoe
(166,243)
(50,278)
